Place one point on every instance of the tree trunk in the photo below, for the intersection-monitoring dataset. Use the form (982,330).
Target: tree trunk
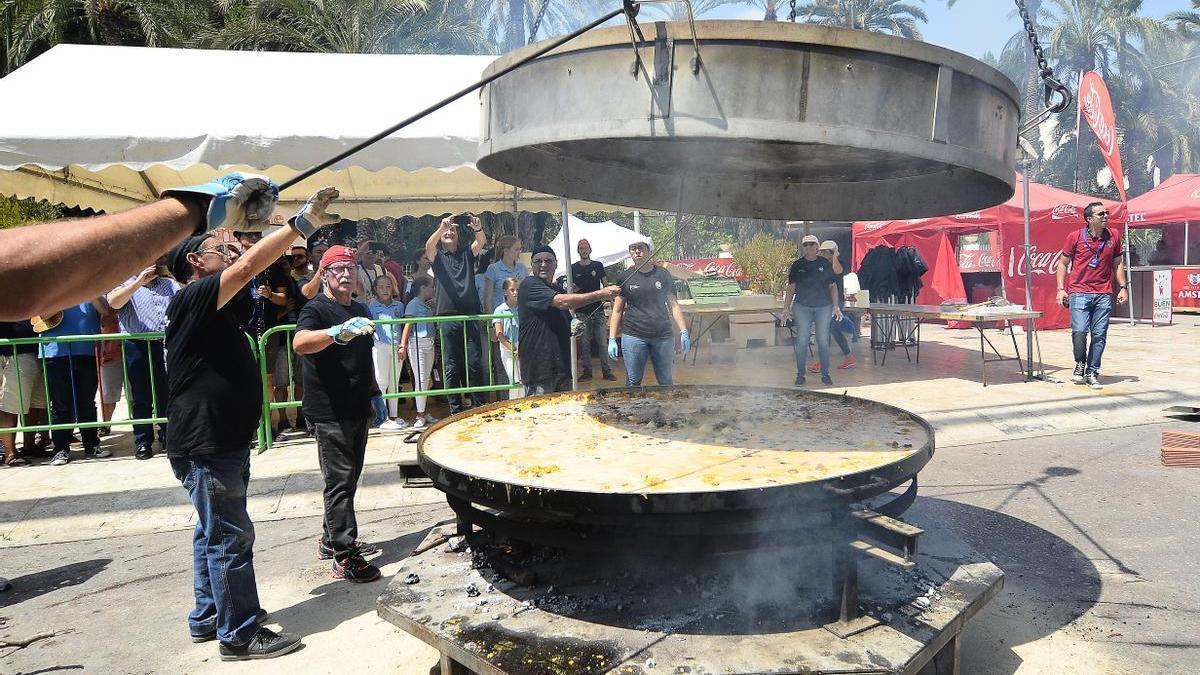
(515,32)
(771,13)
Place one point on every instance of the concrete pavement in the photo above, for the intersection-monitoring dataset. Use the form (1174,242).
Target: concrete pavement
(1060,485)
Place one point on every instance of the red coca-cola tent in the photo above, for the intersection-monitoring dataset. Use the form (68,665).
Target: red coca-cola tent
(1175,200)
(1052,214)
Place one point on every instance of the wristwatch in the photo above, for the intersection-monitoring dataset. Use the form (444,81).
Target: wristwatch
(477,229)
(1122,287)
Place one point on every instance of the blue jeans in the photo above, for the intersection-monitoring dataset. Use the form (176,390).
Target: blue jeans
(1089,316)
(637,351)
(140,362)
(222,545)
(805,319)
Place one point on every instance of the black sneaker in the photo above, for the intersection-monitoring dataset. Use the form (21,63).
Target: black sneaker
(826,380)
(799,381)
(97,453)
(355,570)
(586,376)
(144,452)
(1080,371)
(610,377)
(362,548)
(262,618)
(1093,380)
(266,644)
(61,457)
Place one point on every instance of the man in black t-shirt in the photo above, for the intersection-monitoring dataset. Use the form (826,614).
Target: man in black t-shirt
(454,269)
(213,405)
(643,315)
(813,286)
(544,349)
(588,276)
(332,335)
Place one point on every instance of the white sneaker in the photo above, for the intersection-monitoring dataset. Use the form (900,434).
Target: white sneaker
(430,419)
(1093,380)
(419,423)
(393,425)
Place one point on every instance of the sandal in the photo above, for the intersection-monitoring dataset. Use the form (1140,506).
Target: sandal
(15,460)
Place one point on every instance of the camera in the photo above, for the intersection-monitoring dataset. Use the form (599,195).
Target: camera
(463,219)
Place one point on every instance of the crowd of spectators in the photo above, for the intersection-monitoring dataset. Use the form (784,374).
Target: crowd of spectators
(76,385)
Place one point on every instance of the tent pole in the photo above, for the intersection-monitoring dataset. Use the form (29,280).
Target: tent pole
(1187,225)
(1028,272)
(566,229)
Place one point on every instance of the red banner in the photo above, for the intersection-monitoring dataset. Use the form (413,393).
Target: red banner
(726,267)
(1097,108)
(974,256)
(1185,287)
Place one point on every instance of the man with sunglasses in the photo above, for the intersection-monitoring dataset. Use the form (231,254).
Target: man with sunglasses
(213,406)
(339,383)
(545,349)
(1095,257)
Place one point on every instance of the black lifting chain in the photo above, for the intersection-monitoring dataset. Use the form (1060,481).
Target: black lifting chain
(537,22)
(792,14)
(1052,84)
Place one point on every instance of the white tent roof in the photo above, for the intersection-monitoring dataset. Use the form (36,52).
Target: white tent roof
(108,127)
(610,242)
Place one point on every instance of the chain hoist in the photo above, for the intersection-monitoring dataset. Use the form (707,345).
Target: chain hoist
(1052,85)
(537,22)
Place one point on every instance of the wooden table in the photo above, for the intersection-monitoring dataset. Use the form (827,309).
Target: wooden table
(889,329)
(697,314)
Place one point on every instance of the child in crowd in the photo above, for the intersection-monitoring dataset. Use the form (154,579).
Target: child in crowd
(417,343)
(387,352)
(504,332)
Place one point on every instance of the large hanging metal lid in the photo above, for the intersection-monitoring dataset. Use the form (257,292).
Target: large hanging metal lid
(755,119)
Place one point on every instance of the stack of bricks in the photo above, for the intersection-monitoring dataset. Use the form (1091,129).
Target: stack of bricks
(1181,449)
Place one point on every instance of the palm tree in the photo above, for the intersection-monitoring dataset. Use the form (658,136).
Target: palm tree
(509,24)
(346,26)
(770,8)
(678,11)
(33,26)
(881,16)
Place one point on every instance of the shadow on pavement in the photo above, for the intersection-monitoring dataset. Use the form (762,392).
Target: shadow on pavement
(39,583)
(336,602)
(1048,583)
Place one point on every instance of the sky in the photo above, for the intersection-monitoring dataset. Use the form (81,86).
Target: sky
(972,27)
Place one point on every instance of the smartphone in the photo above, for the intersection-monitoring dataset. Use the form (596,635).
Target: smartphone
(463,219)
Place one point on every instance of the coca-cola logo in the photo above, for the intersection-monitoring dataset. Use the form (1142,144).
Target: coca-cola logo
(1064,211)
(1041,262)
(970,215)
(1194,279)
(871,227)
(1106,136)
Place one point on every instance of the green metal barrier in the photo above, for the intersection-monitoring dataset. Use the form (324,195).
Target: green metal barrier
(260,352)
(395,326)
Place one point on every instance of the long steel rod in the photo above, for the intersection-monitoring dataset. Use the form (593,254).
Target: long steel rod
(555,44)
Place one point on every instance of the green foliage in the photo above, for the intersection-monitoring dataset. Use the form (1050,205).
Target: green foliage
(881,16)
(766,260)
(15,212)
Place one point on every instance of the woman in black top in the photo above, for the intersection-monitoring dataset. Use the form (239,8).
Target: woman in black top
(642,314)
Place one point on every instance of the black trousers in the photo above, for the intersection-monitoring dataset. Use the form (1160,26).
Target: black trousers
(139,363)
(463,367)
(341,449)
(72,381)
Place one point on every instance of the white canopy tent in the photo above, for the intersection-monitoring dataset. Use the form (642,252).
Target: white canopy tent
(610,242)
(108,128)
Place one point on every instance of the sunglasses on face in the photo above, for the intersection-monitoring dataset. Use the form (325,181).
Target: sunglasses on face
(223,250)
(1101,214)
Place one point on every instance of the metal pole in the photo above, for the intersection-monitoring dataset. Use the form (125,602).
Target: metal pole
(1028,272)
(637,222)
(566,233)
(1187,225)
(1129,272)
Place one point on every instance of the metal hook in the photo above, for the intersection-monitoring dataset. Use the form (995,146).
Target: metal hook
(696,60)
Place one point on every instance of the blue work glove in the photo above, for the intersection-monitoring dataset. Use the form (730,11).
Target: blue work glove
(242,202)
(612,348)
(685,341)
(380,409)
(312,216)
(348,330)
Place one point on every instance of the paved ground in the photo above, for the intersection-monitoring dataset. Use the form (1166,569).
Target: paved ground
(1059,485)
